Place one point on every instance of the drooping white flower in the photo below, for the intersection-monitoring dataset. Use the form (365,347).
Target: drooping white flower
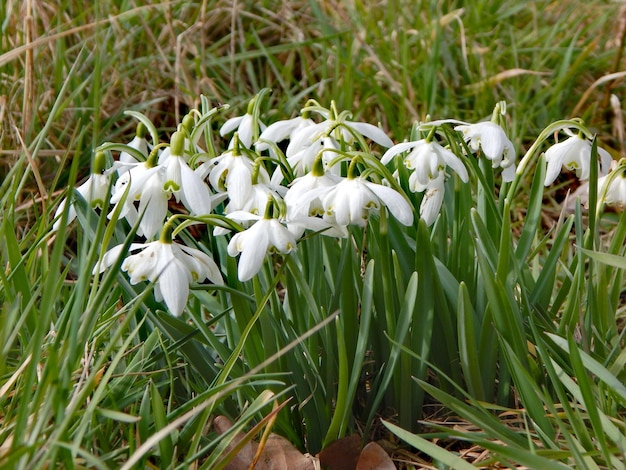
(296,199)
(186,185)
(233,172)
(143,183)
(495,145)
(615,194)
(336,128)
(95,190)
(245,125)
(282,130)
(340,129)
(138,143)
(302,161)
(351,201)
(574,153)
(172,267)
(428,160)
(267,235)
(432,200)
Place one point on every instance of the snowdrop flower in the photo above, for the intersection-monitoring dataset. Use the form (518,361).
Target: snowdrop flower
(352,199)
(615,194)
(267,235)
(495,145)
(574,153)
(138,143)
(172,267)
(432,200)
(302,161)
(334,129)
(428,159)
(296,199)
(143,183)
(233,172)
(245,125)
(95,190)
(281,130)
(186,185)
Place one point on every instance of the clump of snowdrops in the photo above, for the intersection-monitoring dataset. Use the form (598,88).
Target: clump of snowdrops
(415,248)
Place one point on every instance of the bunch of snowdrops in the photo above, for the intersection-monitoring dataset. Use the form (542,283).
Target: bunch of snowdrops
(315,174)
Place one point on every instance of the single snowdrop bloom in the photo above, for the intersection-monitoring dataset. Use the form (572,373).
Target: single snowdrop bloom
(144,182)
(615,192)
(258,196)
(95,190)
(266,235)
(282,130)
(233,172)
(428,159)
(432,200)
(495,145)
(172,267)
(138,143)
(146,186)
(574,153)
(303,196)
(336,126)
(339,126)
(186,185)
(247,126)
(351,201)
(297,225)
(301,162)
(254,204)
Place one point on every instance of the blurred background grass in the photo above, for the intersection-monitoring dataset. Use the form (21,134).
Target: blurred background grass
(392,61)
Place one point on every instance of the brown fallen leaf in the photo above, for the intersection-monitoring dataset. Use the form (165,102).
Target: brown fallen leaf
(342,454)
(374,457)
(280,454)
(243,458)
(277,454)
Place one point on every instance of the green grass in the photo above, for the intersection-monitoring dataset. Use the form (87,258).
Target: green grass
(502,308)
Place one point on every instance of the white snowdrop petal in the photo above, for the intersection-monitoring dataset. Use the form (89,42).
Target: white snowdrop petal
(195,193)
(230,125)
(174,286)
(431,202)
(373,132)
(395,202)
(396,150)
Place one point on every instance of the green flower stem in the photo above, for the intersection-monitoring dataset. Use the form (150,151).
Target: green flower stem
(352,167)
(166,233)
(215,220)
(236,145)
(317,168)
(254,109)
(615,173)
(337,422)
(153,158)
(188,123)
(143,119)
